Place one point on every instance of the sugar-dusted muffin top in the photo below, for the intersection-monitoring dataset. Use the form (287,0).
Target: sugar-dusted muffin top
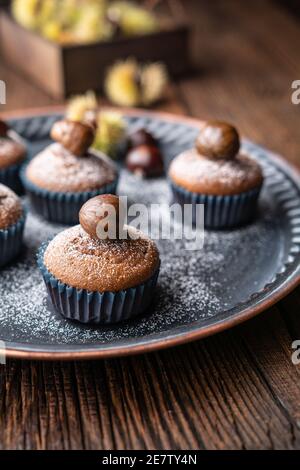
(11,152)
(200,174)
(80,261)
(57,169)
(10,207)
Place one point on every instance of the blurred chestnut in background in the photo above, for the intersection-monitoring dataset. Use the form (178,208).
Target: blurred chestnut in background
(141,137)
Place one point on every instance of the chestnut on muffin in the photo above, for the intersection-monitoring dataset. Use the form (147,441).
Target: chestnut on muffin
(100,280)
(12,155)
(67,173)
(12,221)
(215,173)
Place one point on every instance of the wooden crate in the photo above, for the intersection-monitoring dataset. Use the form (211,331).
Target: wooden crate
(64,70)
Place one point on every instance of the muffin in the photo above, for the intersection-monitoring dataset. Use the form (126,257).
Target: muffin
(12,155)
(216,174)
(67,173)
(12,221)
(95,277)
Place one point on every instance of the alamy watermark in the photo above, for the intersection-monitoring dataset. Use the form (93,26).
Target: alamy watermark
(157,221)
(295,98)
(2,92)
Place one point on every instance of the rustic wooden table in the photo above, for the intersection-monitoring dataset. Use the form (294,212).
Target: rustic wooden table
(236,390)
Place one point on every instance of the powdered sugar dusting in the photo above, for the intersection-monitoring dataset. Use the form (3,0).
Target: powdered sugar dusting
(56,169)
(215,176)
(11,152)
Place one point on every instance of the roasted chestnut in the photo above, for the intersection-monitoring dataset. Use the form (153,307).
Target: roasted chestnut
(75,136)
(3,128)
(141,137)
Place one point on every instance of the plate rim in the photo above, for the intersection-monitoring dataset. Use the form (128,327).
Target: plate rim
(138,345)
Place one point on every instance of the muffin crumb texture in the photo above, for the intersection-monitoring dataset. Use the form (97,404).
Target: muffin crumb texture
(10,207)
(11,152)
(77,260)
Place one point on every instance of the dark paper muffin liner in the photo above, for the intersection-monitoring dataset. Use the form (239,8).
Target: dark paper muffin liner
(95,307)
(11,240)
(60,207)
(10,176)
(220,212)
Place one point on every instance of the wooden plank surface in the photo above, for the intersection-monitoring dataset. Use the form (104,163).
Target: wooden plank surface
(237,390)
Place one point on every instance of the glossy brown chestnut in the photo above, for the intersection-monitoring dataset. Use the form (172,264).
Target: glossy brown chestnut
(75,136)
(101,214)
(3,128)
(218,140)
(141,137)
(145,160)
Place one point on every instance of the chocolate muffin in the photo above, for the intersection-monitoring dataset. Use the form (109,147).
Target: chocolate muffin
(215,174)
(67,173)
(12,155)
(100,280)
(12,220)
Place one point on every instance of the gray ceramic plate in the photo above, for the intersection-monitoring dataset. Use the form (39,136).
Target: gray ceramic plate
(236,275)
